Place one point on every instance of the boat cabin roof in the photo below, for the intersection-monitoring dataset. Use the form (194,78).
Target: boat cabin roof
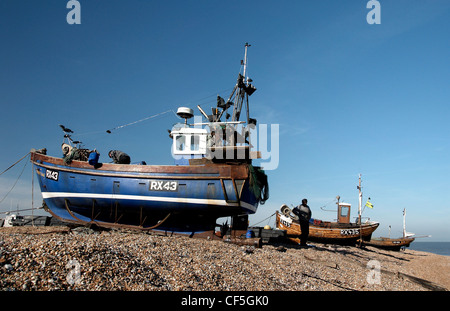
(189,130)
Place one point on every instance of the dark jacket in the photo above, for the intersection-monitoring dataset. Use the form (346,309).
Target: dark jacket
(119,157)
(303,212)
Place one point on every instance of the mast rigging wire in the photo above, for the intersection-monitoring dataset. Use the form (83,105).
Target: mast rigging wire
(14,164)
(263,220)
(327,210)
(167,111)
(150,117)
(22,210)
(16,179)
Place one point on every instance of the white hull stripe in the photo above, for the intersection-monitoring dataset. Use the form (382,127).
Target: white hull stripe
(50,195)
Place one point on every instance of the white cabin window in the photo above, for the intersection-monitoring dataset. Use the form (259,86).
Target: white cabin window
(195,142)
(344,211)
(189,141)
(180,142)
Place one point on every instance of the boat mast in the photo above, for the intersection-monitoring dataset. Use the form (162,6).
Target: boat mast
(245,63)
(404,222)
(359,211)
(246,81)
(360,199)
(242,90)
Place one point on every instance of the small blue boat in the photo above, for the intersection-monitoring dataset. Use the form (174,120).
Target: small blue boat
(212,177)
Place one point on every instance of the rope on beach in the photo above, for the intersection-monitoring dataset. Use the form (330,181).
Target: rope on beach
(425,283)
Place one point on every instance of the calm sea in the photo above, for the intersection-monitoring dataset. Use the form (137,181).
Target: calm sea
(440,248)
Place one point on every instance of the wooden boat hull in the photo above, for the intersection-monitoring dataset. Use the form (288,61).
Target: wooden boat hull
(178,199)
(389,244)
(326,232)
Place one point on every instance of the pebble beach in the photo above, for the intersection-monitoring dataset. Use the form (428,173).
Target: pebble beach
(81,259)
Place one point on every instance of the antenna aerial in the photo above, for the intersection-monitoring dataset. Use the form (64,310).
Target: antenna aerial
(185,113)
(245,60)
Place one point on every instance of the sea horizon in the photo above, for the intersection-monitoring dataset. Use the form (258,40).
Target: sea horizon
(439,248)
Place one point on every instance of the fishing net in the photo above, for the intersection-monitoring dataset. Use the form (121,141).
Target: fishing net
(259,183)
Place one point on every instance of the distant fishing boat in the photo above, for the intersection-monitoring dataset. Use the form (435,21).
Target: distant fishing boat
(208,181)
(393,244)
(340,232)
(388,243)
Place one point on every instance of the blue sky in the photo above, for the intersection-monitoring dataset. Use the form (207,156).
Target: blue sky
(350,98)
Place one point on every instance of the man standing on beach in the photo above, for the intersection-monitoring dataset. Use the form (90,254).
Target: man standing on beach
(304,215)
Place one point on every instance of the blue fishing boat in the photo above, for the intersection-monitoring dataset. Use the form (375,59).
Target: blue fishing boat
(212,177)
